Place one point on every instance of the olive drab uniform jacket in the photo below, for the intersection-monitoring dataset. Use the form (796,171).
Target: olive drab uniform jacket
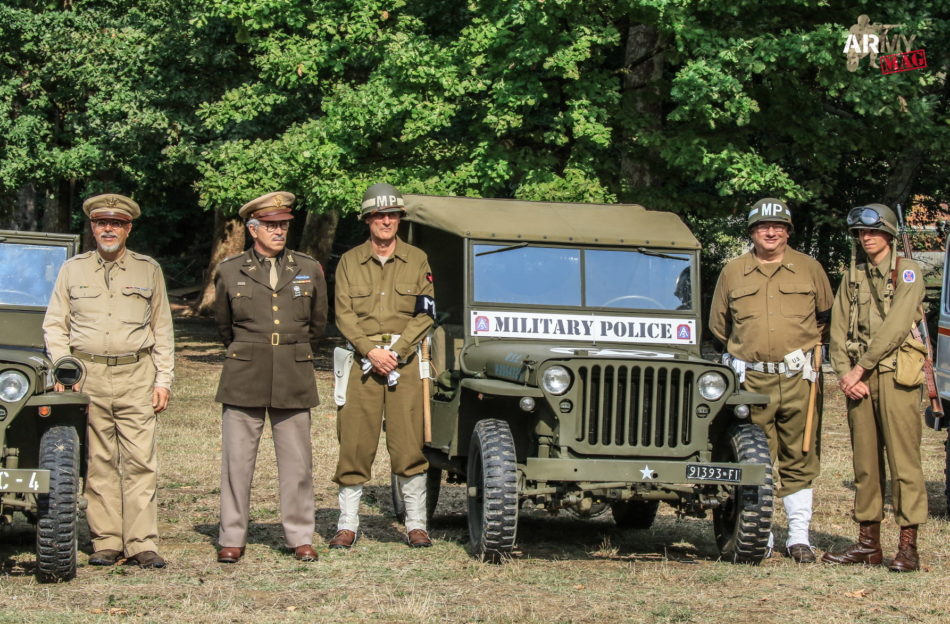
(762,312)
(130,315)
(372,300)
(871,336)
(269,334)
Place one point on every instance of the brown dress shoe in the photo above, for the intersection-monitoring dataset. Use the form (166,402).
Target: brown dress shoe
(866,550)
(305,553)
(106,557)
(230,554)
(906,559)
(344,538)
(147,559)
(801,553)
(418,538)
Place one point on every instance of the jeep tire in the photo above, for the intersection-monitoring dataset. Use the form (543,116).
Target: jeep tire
(492,490)
(634,514)
(743,523)
(58,510)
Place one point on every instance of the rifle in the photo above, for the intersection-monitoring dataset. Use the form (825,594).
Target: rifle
(934,413)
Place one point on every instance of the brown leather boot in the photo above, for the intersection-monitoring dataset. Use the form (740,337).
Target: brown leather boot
(866,550)
(906,559)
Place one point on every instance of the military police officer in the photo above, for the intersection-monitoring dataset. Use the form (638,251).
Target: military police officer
(875,308)
(771,309)
(270,309)
(384,307)
(109,309)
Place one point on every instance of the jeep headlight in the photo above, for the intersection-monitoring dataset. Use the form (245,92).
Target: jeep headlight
(712,386)
(13,386)
(556,380)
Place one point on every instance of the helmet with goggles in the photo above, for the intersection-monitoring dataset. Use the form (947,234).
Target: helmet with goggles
(872,217)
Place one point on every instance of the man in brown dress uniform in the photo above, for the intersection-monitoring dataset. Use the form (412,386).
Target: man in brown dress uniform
(384,307)
(771,309)
(270,309)
(109,309)
(875,308)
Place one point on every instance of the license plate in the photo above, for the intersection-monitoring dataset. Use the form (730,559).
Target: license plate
(705,472)
(33,481)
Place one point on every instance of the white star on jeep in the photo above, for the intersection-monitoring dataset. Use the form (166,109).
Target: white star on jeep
(646,473)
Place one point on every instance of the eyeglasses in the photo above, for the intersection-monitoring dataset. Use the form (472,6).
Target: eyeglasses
(765,227)
(115,224)
(863,216)
(273,226)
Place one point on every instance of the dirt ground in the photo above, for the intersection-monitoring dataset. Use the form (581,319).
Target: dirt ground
(565,569)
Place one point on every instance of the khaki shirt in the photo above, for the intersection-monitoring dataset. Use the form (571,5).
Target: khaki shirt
(877,336)
(374,298)
(762,312)
(131,314)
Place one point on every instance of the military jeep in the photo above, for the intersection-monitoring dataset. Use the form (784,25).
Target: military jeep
(568,375)
(42,432)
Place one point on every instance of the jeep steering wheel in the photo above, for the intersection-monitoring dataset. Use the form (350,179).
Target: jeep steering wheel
(657,304)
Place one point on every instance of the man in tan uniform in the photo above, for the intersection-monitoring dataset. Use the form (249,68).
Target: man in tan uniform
(770,309)
(384,307)
(875,308)
(109,309)
(270,309)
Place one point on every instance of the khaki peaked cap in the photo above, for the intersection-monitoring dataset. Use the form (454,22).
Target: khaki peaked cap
(274,206)
(111,206)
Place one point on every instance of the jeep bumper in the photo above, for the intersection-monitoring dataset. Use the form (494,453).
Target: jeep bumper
(24,480)
(642,471)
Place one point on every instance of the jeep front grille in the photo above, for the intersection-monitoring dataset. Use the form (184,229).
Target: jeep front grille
(644,406)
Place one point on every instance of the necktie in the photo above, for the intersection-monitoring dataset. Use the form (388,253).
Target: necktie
(107,270)
(273,272)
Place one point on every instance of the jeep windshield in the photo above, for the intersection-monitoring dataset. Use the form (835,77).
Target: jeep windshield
(28,273)
(571,277)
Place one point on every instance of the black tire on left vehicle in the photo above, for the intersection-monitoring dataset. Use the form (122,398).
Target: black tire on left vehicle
(743,523)
(492,490)
(57,523)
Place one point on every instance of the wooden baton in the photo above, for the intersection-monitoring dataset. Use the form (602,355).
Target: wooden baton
(426,411)
(812,399)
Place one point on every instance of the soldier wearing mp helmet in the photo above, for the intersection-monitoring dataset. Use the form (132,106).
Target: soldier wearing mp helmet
(770,309)
(384,307)
(879,364)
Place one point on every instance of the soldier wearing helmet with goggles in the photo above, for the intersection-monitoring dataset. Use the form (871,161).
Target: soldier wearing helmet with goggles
(770,309)
(879,365)
(384,307)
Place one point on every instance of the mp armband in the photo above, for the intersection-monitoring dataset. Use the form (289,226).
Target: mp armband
(425,305)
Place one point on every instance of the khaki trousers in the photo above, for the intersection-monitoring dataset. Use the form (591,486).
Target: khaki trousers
(783,421)
(887,426)
(359,423)
(122,462)
(241,429)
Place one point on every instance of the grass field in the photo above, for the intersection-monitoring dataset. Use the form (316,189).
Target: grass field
(566,570)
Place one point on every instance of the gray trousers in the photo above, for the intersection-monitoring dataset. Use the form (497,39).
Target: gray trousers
(241,429)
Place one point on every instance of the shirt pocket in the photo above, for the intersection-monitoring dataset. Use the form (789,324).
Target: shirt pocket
(743,304)
(303,298)
(87,302)
(406,294)
(135,304)
(242,300)
(361,300)
(798,299)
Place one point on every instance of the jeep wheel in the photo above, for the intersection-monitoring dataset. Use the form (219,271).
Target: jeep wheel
(742,523)
(58,510)
(492,490)
(634,514)
(433,488)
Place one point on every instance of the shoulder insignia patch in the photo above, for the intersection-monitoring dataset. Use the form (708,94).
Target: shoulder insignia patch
(429,277)
(909,276)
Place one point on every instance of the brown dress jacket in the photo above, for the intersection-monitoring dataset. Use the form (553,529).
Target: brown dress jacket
(269,334)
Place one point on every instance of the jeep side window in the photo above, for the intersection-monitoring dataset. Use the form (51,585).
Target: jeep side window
(28,273)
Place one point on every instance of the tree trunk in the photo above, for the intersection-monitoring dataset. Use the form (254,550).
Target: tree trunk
(642,103)
(24,215)
(318,234)
(57,212)
(228,241)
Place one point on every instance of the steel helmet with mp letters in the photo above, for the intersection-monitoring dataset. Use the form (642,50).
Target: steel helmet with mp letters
(382,198)
(770,210)
(872,217)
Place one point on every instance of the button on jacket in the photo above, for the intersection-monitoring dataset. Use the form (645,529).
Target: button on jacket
(762,312)
(269,334)
(130,315)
